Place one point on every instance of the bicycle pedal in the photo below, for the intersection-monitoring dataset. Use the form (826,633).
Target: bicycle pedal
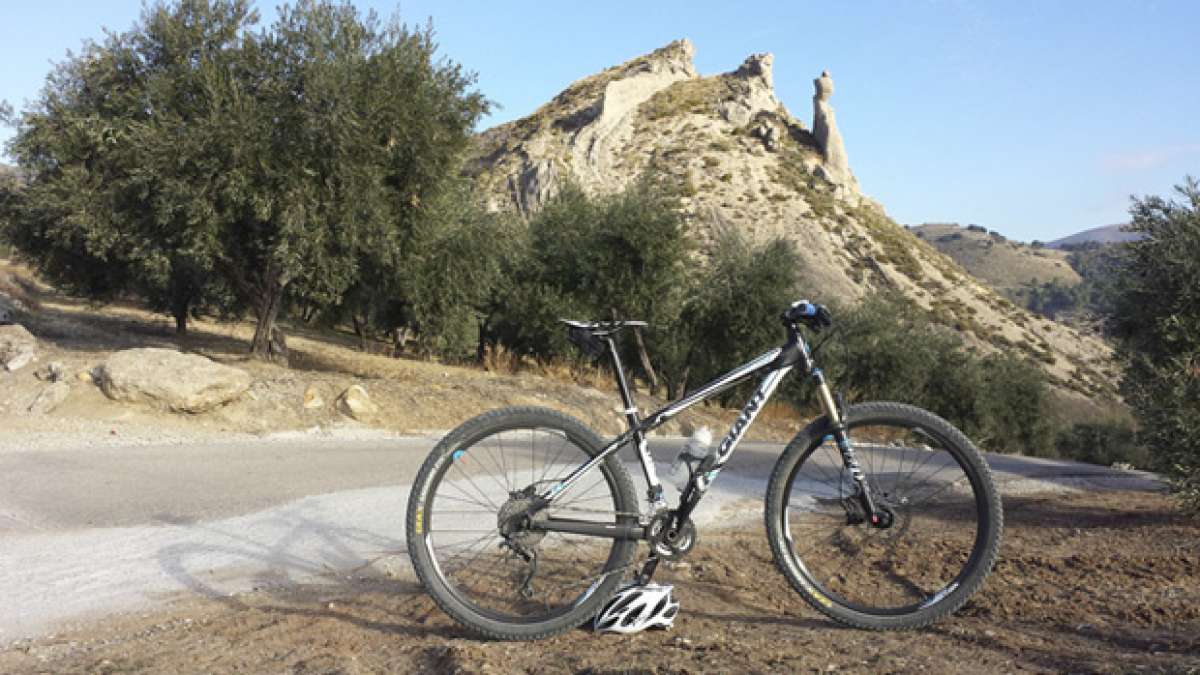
(636,607)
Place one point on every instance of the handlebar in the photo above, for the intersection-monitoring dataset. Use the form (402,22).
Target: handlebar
(815,317)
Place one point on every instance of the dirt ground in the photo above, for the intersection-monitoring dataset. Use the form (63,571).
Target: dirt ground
(1099,582)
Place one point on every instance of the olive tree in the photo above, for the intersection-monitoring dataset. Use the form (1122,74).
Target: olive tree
(1157,323)
(195,154)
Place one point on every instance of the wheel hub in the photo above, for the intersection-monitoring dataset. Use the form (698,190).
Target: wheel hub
(883,518)
(513,519)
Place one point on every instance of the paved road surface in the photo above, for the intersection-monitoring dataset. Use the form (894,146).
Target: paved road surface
(92,530)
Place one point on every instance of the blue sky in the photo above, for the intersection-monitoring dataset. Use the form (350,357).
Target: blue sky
(1035,118)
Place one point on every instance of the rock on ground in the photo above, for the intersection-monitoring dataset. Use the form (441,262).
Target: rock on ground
(356,403)
(312,398)
(17,347)
(171,380)
(50,398)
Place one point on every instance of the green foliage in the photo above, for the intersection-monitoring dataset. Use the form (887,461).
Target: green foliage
(1100,267)
(193,153)
(628,256)
(1105,442)
(730,316)
(885,350)
(1051,298)
(10,185)
(888,350)
(616,256)
(99,214)
(1011,407)
(1158,325)
(1092,299)
(462,269)
(699,96)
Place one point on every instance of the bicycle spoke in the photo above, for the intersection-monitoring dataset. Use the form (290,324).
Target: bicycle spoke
(469,498)
(491,571)
(898,565)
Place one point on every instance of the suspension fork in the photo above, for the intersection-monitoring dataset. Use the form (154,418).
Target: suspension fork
(833,412)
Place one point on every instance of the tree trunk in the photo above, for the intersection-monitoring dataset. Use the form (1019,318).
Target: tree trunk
(481,347)
(180,306)
(645,358)
(677,386)
(268,310)
(309,313)
(360,329)
(399,340)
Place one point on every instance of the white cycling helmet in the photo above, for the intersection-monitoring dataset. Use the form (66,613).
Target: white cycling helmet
(635,608)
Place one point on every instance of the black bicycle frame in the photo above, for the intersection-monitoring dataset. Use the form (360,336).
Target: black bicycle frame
(772,365)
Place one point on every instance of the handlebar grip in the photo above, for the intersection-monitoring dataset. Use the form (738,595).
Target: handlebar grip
(810,314)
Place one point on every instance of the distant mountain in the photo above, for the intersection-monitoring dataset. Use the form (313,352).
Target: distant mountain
(1005,265)
(1107,234)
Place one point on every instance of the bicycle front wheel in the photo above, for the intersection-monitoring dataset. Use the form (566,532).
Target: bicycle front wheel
(937,539)
(517,584)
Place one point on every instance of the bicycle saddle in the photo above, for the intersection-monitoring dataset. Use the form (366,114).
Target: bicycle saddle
(602,328)
(586,334)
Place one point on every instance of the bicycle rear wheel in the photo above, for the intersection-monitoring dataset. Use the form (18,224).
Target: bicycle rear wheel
(517,585)
(943,521)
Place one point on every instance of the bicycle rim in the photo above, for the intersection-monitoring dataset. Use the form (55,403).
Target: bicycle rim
(526,577)
(937,508)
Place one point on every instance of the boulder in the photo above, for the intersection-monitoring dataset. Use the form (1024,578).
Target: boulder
(313,398)
(17,347)
(356,403)
(50,398)
(170,380)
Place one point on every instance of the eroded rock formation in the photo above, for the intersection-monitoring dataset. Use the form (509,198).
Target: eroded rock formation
(836,166)
(743,162)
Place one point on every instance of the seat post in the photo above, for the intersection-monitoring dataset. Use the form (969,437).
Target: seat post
(631,413)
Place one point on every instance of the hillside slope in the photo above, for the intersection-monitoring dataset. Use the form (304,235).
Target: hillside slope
(1106,234)
(1004,264)
(744,161)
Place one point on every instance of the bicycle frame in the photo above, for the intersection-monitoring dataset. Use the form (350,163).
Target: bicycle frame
(773,365)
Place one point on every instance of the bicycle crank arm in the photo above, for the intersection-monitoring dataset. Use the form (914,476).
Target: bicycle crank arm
(590,528)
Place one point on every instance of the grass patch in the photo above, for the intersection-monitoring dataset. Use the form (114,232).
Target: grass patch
(698,96)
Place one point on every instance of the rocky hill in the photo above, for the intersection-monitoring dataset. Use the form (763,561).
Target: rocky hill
(1004,264)
(744,161)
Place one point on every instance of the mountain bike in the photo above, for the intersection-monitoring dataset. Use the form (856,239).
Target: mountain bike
(522,522)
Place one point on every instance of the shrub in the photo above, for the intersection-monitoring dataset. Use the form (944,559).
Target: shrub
(616,256)
(1158,325)
(729,316)
(1013,405)
(1105,442)
(887,349)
